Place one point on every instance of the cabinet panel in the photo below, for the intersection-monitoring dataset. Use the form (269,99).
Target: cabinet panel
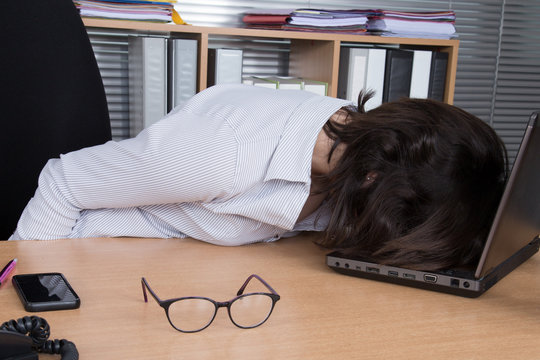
(316,60)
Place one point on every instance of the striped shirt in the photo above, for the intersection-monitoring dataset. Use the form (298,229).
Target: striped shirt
(231,166)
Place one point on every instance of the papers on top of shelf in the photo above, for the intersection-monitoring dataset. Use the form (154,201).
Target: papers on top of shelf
(432,24)
(142,10)
(349,21)
(333,18)
(422,15)
(269,12)
(295,20)
(398,26)
(427,24)
(344,21)
(264,17)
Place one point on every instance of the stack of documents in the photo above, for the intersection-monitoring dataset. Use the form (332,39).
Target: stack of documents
(439,24)
(342,21)
(267,18)
(431,24)
(329,20)
(142,10)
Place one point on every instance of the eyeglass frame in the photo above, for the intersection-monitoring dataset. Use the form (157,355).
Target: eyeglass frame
(165,304)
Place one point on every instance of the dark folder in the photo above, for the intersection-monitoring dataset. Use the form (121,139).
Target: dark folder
(397,77)
(437,77)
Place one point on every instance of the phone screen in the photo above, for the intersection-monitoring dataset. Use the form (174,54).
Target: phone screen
(42,292)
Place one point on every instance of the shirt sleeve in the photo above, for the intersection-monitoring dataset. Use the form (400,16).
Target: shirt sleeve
(183,158)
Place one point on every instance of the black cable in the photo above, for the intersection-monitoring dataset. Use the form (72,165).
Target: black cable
(39,331)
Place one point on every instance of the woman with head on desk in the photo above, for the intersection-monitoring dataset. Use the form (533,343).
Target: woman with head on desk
(408,183)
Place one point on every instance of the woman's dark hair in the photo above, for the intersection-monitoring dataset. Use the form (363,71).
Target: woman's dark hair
(417,185)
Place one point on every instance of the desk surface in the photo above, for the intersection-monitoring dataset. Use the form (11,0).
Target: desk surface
(321,314)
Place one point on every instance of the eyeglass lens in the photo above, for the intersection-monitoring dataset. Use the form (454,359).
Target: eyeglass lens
(251,310)
(191,314)
(195,314)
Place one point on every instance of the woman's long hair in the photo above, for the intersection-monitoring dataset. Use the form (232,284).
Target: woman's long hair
(417,185)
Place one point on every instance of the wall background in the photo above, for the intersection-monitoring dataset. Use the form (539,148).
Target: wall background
(498,76)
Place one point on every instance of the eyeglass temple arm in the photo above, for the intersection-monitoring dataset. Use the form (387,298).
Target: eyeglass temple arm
(145,286)
(241,291)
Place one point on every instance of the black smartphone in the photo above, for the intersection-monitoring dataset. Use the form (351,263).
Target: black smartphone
(44,292)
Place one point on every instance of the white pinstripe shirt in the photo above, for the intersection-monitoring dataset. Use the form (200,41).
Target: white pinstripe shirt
(232,166)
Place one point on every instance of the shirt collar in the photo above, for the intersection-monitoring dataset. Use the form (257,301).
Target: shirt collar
(292,158)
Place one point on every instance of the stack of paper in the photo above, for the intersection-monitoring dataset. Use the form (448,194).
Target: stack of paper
(433,24)
(267,18)
(439,24)
(323,18)
(350,21)
(343,21)
(142,10)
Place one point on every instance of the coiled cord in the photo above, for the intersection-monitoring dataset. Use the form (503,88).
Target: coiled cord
(39,331)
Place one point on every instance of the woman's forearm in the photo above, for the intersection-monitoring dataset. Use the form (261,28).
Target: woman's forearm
(51,213)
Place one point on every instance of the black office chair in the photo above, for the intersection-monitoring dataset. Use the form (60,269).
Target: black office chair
(52,99)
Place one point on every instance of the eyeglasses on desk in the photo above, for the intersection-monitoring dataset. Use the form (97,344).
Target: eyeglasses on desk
(195,313)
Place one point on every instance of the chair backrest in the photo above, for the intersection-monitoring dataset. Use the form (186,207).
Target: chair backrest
(52,96)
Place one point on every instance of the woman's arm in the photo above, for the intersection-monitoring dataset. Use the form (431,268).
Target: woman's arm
(183,158)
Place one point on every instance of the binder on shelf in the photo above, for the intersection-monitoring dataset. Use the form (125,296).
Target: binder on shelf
(314,86)
(259,81)
(286,82)
(182,71)
(147,64)
(375,77)
(397,77)
(420,75)
(362,69)
(224,66)
(437,79)
(352,74)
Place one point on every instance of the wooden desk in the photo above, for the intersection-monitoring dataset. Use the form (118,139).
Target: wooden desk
(321,314)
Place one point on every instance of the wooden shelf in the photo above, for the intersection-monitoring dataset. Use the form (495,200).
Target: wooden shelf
(314,55)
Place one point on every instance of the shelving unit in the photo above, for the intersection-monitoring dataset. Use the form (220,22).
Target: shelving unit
(312,55)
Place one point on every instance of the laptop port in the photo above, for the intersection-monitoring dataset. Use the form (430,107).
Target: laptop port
(409,276)
(430,278)
(454,282)
(393,273)
(372,269)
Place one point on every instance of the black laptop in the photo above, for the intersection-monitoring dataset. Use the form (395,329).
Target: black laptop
(513,238)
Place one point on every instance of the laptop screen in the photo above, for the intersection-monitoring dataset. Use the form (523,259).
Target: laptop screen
(517,221)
